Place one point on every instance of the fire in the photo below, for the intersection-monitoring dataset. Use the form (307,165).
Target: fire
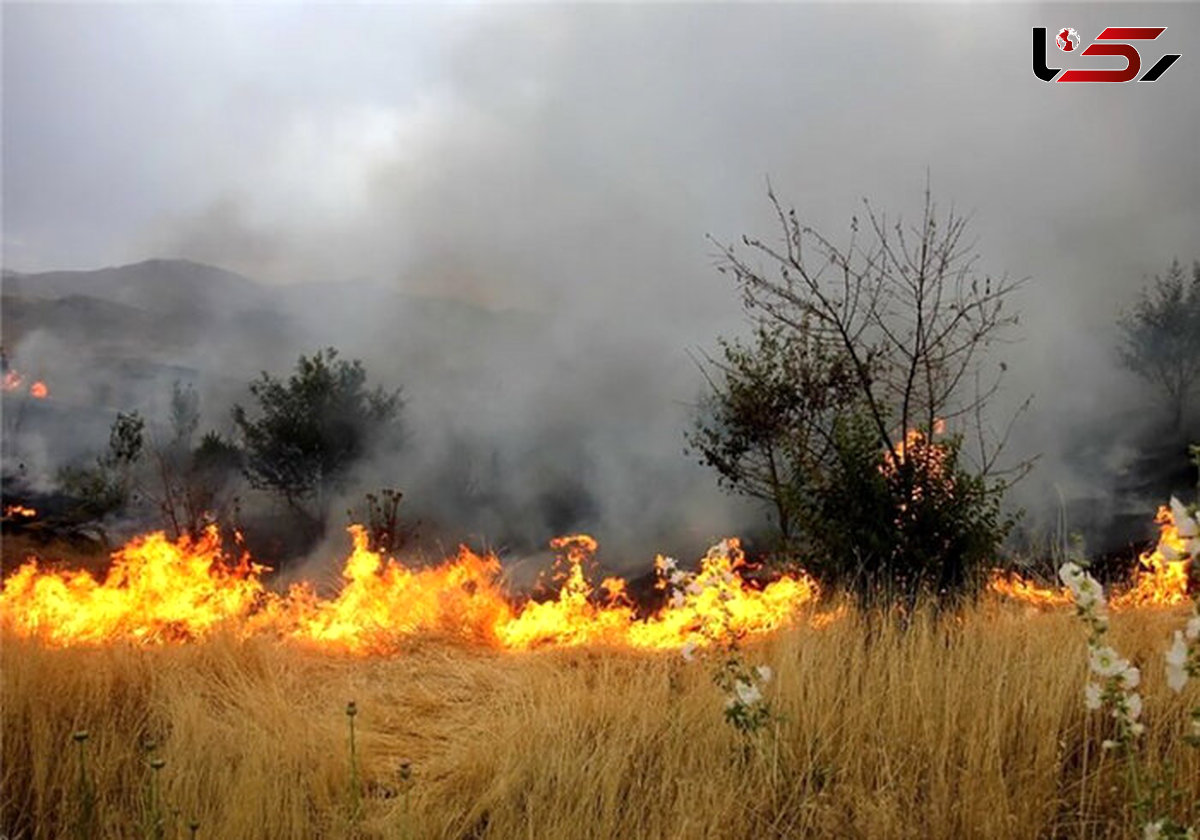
(19,512)
(1161,579)
(1012,585)
(160,591)
(156,590)
(14,381)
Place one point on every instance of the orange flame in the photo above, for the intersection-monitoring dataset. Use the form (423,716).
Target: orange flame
(13,381)
(159,591)
(19,512)
(1012,585)
(1161,579)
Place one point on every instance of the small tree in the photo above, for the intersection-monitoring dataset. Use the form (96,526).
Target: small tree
(1160,338)
(192,486)
(312,428)
(764,424)
(905,320)
(106,487)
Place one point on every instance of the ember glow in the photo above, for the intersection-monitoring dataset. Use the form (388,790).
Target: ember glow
(38,390)
(19,512)
(162,591)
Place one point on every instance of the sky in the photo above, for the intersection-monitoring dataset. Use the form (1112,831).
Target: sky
(583,162)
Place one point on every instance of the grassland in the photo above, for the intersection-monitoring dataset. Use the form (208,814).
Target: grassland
(972,727)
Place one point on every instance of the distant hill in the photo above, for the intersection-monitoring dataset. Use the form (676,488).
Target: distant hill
(156,285)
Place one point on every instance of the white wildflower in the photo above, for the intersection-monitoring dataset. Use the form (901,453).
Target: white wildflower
(1088,592)
(1106,662)
(747,693)
(1133,706)
(764,673)
(1130,677)
(1137,728)
(1177,653)
(1108,744)
(1184,522)
(1091,695)
(1071,574)
(1176,657)
(1153,830)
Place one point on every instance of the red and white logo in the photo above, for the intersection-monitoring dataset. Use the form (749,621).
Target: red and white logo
(1067,40)
(1115,41)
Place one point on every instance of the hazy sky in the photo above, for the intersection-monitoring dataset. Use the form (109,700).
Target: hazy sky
(572,160)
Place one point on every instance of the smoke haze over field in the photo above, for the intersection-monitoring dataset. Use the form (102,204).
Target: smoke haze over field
(560,168)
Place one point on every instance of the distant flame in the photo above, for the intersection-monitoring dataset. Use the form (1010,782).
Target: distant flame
(13,381)
(1161,580)
(19,512)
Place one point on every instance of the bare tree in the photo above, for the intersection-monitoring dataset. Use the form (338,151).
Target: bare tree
(1160,338)
(904,305)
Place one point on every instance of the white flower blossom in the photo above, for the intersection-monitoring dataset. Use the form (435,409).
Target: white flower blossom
(1178,651)
(1176,657)
(747,693)
(1108,744)
(1133,706)
(1130,677)
(1091,695)
(764,673)
(1088,592)
(1137,728)
(1187,526)
(1106,662)
(1153,830)
(1071,574)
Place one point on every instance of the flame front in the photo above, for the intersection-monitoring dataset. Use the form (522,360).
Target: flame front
(159,591)
(1161,579)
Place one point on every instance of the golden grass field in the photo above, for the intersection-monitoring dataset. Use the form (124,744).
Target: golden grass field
(971,728)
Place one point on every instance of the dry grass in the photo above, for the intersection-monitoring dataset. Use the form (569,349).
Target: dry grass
(973,729)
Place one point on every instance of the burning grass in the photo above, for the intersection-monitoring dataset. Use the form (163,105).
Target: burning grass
(479,715)
(969,727)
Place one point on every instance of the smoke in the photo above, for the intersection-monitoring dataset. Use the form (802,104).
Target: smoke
(505,210)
